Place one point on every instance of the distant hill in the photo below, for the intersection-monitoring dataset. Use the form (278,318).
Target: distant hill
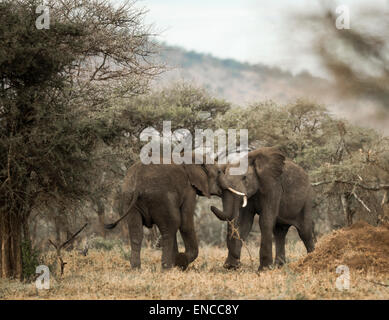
(239,82)
(243,83)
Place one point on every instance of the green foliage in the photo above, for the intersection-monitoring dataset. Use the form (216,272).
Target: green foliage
(30,260)
(299,129)
(106,244)
(126,254)
(184,105)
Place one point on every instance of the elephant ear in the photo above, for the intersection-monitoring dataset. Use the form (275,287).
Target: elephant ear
(268,161)
(198,178)
(223,167)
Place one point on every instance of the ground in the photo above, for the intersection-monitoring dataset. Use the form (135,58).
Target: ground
(106,274)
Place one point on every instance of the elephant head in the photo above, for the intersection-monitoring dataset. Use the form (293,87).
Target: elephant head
(265,165)
(207,179)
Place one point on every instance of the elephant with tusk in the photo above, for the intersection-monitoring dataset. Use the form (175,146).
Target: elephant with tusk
(279,191)
(165,195)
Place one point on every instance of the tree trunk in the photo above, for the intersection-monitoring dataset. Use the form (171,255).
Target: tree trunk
(57,224)
(101,214)
(385,208)
(1,241)
(5,271)
(11,255)
(33,235)
(348,214)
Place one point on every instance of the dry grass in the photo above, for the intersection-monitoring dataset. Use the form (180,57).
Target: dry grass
(107,275)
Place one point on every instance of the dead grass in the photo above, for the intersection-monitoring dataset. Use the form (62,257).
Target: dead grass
(107,275)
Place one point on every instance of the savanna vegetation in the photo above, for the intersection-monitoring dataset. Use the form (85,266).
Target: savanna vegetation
(70,121)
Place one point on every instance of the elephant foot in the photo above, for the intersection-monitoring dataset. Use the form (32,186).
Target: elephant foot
(166,267)
(231,264)
(279,262)
(135,264)
(265,268)
(181,261)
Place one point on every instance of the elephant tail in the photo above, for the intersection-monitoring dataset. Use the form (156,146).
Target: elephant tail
(110,226)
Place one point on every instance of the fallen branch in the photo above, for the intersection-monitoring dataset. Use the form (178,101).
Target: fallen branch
(377,283)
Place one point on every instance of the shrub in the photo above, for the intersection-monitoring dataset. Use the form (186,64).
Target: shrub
(30,260)
(105,244)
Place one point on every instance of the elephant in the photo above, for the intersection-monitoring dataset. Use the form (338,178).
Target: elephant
(165,195)
(280,192)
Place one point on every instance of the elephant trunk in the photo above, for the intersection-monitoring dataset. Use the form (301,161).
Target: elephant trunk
(229,204)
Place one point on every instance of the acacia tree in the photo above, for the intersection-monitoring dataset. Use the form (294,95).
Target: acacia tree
(348,165)
(56,89)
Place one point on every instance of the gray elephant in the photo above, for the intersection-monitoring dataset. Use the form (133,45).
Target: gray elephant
(165,195)
(280,192)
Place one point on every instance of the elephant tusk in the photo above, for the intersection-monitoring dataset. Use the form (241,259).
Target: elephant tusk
(240,194)
(236,192)
(244,201)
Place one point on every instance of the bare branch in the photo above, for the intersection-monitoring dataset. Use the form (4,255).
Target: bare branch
(67,242)
(371,188)
(59,247)
(53,244)
(361,201)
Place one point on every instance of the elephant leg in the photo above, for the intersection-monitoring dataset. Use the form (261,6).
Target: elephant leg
(135,228)
(168,243)
(175,248)
(280,231)
(187,229)
(307,238)
(234,245)
(191,249)
(168,221)
(180,259)
(266,224)
(305,229)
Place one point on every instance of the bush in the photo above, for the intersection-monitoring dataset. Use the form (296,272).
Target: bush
(105,244)
(30,260)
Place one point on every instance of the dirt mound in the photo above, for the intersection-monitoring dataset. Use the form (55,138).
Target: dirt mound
(361,247)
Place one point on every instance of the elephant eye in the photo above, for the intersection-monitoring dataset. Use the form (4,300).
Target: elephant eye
(244,177)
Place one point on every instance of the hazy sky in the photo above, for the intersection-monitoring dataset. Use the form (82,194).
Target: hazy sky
(255,31)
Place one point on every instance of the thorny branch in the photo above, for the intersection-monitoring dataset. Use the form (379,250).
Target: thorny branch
(235,234)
